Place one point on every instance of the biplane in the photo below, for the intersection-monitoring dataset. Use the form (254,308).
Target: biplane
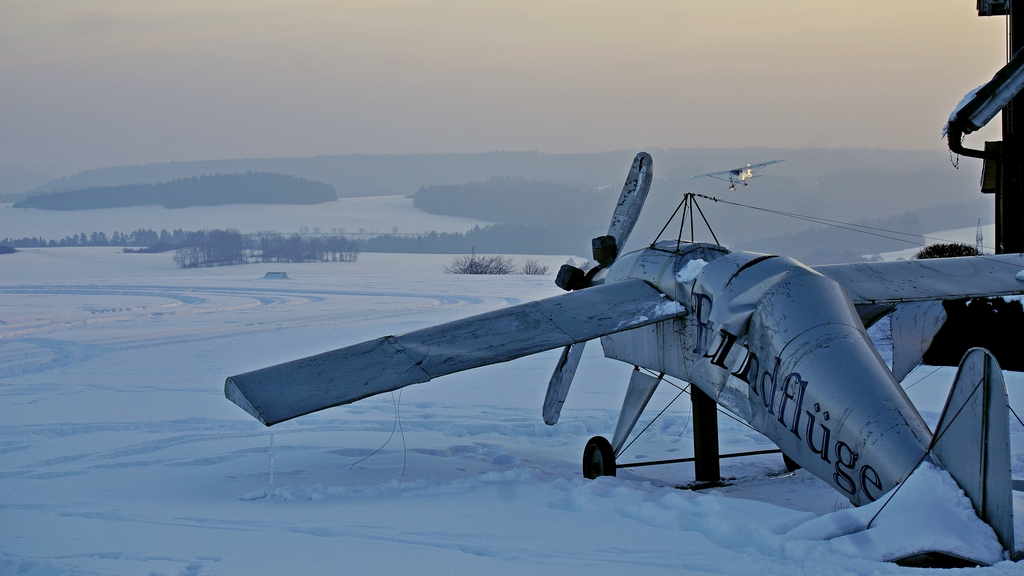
(781,345)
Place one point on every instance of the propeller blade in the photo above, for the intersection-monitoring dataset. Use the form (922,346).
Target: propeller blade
(561,379)
(632,198)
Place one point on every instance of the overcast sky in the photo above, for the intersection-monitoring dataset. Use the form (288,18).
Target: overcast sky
(100,83)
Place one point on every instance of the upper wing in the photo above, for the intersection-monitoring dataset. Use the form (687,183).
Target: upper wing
(348,374)
(888,283)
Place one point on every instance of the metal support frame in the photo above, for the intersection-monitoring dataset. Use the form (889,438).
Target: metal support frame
(682,460)
(688,205)
(705,438)
(704,414)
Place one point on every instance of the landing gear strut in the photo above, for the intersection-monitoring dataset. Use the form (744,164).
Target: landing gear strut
(599,455)
(598,458)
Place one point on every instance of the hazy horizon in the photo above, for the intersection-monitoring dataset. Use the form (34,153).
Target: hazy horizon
(124,82)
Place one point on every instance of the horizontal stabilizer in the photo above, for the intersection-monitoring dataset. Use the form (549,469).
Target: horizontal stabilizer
(288,390)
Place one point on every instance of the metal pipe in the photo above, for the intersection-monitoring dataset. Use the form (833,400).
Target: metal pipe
(680,460)
(954,135)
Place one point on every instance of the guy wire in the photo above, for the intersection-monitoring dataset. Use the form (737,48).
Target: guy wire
(861,228)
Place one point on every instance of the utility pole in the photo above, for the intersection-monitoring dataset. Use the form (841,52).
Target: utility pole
(1005,172)
(1010,200)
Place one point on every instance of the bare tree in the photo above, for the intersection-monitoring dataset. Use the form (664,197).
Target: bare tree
(473,264)
(211,248)
(533,267)
(188,257)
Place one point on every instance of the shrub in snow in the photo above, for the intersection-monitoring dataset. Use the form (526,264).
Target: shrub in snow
(950,250)
(473,264)
(533,267)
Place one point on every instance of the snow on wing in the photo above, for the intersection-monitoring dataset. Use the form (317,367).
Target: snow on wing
(929,279)
(288,390)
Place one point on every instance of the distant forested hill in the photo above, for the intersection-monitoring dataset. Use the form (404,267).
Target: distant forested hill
(356,175)
(843,184)
(248,188)
(924,177)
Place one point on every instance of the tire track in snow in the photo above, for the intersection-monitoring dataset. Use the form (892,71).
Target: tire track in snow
(26,357)
(191,301)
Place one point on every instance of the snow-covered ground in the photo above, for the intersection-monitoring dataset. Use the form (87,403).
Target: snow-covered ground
(378,214)
(120,454)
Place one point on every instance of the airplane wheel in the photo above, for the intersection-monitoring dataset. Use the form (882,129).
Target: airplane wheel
(791,465)
(598,458)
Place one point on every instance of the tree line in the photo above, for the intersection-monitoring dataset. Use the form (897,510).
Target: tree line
(140,237)
(225,247)
(493,239)
(213,190)
(204,249)
(194,249)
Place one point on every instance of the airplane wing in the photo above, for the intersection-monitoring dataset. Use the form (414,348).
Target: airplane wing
(288,390)
(913,289)
(723,175)
(890,283)
(756,167)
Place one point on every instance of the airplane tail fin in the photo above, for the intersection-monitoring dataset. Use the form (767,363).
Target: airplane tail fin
(972,441)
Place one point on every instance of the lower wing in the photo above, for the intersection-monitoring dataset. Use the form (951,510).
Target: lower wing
(288,390)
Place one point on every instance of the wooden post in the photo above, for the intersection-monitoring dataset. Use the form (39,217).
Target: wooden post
(705,436)
(1010,197)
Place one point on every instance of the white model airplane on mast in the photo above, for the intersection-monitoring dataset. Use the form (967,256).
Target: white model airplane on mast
(781,345)
(741,175)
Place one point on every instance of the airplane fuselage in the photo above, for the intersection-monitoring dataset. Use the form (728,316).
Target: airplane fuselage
(782,347)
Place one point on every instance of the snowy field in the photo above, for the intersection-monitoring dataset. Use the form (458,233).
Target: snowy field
(378,214)
(958,235)
(120,454)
